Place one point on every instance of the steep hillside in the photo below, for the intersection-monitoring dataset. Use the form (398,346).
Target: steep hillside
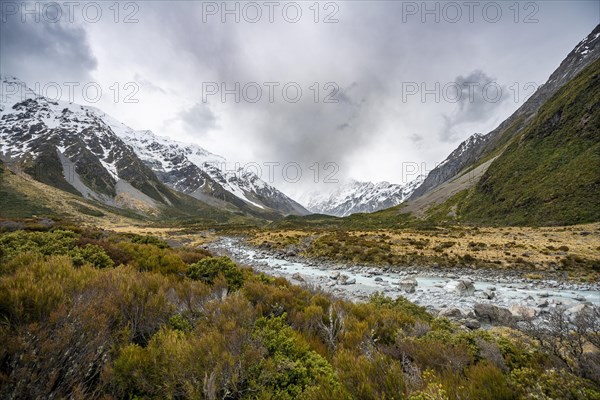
(22,196)
(550,174)
(478,148)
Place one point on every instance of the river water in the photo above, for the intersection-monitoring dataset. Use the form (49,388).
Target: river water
(430,292)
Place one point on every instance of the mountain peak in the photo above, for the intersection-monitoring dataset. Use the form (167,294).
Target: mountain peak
(85,151)
(359,197)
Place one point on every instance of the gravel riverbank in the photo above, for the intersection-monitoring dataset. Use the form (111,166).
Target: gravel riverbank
(471,296)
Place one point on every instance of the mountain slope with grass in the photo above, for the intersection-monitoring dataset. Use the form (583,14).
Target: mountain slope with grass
(22,196)
(550,174)
(480,148)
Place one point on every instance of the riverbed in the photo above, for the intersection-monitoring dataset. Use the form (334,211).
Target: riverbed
(435,288)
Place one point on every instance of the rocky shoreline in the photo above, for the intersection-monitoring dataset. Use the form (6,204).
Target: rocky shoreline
(473,297)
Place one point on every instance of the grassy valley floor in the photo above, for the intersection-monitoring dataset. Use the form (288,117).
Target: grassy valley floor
(571,253)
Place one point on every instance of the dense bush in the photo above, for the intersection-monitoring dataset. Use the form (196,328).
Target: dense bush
(208,269)
(58,242)
(160,328)
(148,257)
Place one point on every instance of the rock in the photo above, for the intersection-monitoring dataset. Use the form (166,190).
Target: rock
(521,312)
(541,303)
(335,275)
(346,280)
(472,323)
(544,294)
(378,279)
(488,294)
(492,314)
(578,308)
(579,298)
(450,313)
(297,277)
(408,285)
(462,287)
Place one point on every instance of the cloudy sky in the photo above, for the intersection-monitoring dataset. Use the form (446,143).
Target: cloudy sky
(344,89)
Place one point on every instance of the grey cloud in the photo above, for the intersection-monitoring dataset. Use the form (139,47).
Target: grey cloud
(478,98)
(416,138)
(369,54)
(55,51)
(199,118)
(308,132)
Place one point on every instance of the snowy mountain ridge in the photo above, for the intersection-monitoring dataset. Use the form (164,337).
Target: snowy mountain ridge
(361,197)
(103,159)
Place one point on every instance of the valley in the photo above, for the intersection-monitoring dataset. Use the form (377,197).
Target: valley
(137,264)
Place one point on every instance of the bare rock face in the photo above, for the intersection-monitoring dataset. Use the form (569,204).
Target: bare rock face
(461,287)
(408,285)
(579,308)
(472,323)
(492,314)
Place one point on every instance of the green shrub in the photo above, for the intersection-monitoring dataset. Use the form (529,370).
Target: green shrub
(180,323)
(57,242)
(161,244)
(91,254)
(376,377)
(552,384)
(208,269)
(291,367)
(32,293)
(148,257)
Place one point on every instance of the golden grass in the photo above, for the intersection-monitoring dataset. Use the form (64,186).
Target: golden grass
(538,248)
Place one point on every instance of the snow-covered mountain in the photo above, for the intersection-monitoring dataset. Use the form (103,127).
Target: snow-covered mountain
(83,150)
(361,197)
(466,153)
(191,169)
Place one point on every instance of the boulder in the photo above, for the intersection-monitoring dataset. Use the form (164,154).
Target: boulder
(492,314)
(346,280)
(472,323)
(408,285)
(488,294)
(297,277)
(541,303)
(334,275)
(520,312)
(461,287)
(450,313)
(378,279)
(579,308)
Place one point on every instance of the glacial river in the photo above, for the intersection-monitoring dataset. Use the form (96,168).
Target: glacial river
(431,290)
